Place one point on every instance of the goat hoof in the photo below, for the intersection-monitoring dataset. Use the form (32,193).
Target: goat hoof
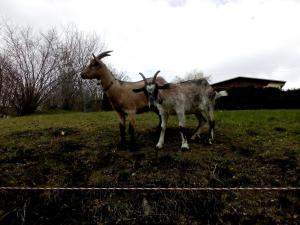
(210,141)
(185,149)
(158,147)
(196,137)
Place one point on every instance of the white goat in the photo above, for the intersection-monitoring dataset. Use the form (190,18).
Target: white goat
(189,97)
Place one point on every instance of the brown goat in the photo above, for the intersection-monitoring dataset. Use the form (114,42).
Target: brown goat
(123,100)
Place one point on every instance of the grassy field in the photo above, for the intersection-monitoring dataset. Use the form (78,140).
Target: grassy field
(258,148)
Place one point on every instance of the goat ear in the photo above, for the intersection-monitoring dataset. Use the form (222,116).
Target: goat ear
(138,90)
(165,86)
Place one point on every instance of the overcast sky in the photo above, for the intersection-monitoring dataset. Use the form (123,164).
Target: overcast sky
(222,38)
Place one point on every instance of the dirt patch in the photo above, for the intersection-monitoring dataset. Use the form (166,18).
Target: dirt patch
(246,151)
(53,132)
(280,129)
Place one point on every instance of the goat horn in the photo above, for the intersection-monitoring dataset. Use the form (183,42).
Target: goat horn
(144,78)
(97,60)
(104,54)
(155,75)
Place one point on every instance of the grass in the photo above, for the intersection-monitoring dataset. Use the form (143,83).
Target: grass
(253,148)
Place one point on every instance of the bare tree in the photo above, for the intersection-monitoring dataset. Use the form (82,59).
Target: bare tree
(6,86)
(119,75)
(34,61)
(46,66)
(192,75)
(75,49)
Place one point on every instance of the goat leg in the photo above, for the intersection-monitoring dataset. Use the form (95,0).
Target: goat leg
(164,121)
(122,142)
(132,144)
(131,118)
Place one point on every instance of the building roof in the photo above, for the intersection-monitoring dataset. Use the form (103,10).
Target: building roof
(249,79)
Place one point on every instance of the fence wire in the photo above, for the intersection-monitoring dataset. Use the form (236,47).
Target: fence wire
(152,189)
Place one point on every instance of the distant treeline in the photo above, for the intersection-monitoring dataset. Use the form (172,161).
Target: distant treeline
(260,98)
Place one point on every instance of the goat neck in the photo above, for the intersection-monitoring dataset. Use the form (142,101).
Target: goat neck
(107,79)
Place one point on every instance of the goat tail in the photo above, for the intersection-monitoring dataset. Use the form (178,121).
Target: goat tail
(221,94)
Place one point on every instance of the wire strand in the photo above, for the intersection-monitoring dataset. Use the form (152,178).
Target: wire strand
(153,189)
